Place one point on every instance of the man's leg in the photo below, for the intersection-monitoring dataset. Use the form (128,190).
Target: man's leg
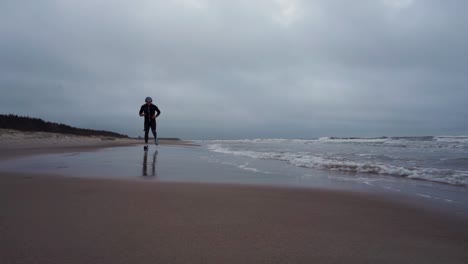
(146,132)
(155,134)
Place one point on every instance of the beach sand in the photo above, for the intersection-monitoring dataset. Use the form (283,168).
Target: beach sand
(15,144)
(55,219)
(71,220)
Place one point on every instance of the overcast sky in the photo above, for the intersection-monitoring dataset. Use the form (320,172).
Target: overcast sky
(239,69)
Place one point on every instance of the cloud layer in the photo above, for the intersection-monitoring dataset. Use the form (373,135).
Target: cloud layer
(234,69)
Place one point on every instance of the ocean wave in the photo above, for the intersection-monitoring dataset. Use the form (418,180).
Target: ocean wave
(454,177)
(425,142)
(354,139)
(452,139)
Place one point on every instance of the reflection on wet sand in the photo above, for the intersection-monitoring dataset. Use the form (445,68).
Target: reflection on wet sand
(153,164)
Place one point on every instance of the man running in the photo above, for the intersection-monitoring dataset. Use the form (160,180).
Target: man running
(150,112)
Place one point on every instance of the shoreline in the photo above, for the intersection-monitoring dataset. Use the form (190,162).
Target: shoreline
(21,151)
(48,218)
(198,175)
(78,220)
(16,144)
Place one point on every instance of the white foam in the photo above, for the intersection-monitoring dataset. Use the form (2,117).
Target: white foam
(354,140)
(245,167)
(439,142)
(448,142)
(454,177)
(450,201)
(424,195)
(451,138)
(453,141)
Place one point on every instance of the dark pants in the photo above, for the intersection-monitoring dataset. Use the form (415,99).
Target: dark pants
(150,123)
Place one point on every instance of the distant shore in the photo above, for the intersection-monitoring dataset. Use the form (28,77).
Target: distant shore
(14,143)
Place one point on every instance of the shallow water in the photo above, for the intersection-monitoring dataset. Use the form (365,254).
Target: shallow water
(200,164)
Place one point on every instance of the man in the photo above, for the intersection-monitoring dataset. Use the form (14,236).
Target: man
(150,112)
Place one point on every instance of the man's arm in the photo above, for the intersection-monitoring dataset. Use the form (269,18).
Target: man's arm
(142,111)
(158,112)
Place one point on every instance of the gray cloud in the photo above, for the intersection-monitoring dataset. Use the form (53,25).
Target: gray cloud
(224,69)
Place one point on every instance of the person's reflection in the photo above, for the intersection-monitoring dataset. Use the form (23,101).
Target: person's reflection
(153,164)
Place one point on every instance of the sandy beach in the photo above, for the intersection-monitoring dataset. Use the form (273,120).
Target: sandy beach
(277,132)
(14,143)
(55,219)
(65,220)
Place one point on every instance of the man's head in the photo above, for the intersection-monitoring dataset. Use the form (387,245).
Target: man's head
(148,100)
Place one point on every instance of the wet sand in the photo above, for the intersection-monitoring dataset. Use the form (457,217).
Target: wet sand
(55,219)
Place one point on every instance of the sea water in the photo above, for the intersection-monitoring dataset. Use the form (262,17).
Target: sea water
(437,159)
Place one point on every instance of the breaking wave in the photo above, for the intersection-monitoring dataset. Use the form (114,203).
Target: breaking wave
(437,142)
(324,162)
(450,142)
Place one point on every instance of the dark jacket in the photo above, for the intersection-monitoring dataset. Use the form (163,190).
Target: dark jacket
(151,109)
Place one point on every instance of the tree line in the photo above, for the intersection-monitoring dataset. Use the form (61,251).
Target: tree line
(26,123)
